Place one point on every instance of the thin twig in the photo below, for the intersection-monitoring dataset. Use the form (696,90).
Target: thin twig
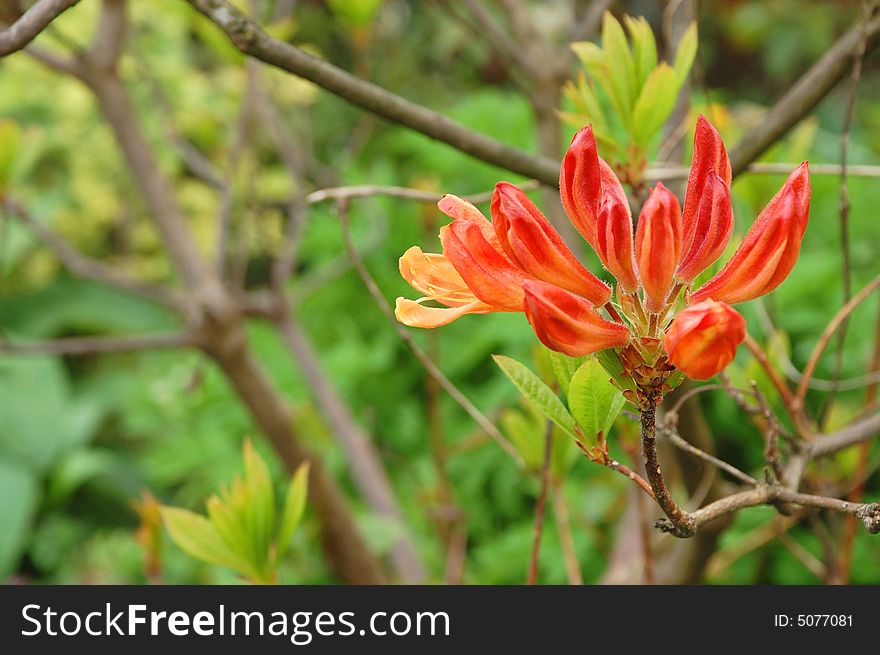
(83,266)
(430,366)
(373,190)
(807,92)
(683,444)
(845,250)
(102,344)
(829,331)
(566,541)
(541,506)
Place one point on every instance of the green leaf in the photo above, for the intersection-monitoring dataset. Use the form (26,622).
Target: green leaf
(294,507)
(621,67)
(18,503)
(593,400)
(195,535)
(260,513)
(537,393)
(232,531)
(564,367)
(644,47)
(685,54)
(655,103)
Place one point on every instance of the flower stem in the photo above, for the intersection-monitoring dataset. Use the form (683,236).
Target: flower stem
(683,525)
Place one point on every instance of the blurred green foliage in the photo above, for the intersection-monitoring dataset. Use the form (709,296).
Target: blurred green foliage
(80,438)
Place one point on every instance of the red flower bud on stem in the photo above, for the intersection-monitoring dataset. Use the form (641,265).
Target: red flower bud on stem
(703,338)
(658,245)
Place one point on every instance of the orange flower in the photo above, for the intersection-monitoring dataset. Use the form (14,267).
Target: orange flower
(658,245)
(567,323)
(702,339)
(529,240)
(433,276)
(519,262)
(770,248)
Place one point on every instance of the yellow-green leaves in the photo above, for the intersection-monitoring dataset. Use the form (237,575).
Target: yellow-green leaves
(243,530)
(625,94)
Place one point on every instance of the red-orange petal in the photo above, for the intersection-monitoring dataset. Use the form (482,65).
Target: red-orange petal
(414,314)
(567,323)
(531,242)
(614,241)
(491,276)
(769,250)
(658,245)
(702,339)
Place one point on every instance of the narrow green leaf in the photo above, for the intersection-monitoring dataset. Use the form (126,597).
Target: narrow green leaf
(195,535)
(260,510)
(294,507)
(621,67)
(232,531)
(592,398)
(536,392)
(564,367)
(644,47)
(686,52)
(655,103)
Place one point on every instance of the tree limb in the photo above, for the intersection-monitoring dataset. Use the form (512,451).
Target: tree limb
(32,22)
(807,92)
(248,37)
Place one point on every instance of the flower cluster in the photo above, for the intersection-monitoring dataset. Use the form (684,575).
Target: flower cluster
(518,262)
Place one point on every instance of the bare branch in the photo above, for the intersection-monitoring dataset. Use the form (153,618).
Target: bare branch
(829,331)
(808,91)
(869,513)
(854,433)
(32,22)
(85,267)
(248,37)
(540,506)
(679,442)
(96,345)
(485,424)
(406,193)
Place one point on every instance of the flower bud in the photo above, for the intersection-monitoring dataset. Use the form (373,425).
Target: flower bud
(614,241)
(583,179)
(703,338)
(770,248)
(658,245)
(532,243)
(710,159)
(567,323)
(714,225)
